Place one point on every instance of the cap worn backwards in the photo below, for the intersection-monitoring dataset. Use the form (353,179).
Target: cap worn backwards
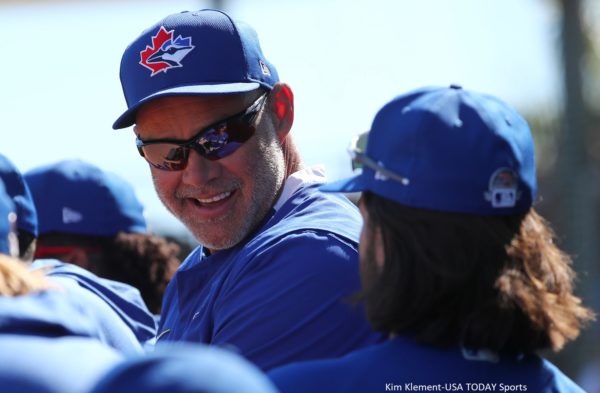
(7,223)
(459,151)
(17,189)
(73,196)
(192,53)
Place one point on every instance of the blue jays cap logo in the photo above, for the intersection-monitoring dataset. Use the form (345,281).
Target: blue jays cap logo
(165,52)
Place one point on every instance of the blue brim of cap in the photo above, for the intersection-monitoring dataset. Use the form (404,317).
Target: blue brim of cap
(127,119)
(351,184)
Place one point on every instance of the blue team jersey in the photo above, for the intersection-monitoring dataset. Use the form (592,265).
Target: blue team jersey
(282,295)
(401,365)
(49,343)
(118,308)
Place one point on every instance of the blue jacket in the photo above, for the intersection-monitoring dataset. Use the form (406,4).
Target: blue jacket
(280,296)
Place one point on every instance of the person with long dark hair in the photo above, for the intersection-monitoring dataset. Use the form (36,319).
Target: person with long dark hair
(458,268)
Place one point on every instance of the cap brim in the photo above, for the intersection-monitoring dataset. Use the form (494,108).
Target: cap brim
(352,184)
(128,117)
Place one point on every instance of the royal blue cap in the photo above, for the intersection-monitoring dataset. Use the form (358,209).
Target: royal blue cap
(192,53)
(186,368)
(17,189)
(73,196)
(7,223)
(457,150)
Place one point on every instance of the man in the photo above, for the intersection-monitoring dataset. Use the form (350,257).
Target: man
(457,267)
(17,189)
(278,258)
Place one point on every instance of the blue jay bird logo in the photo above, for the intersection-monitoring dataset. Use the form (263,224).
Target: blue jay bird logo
(165,52)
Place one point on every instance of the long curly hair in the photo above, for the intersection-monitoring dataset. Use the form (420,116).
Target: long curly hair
(144,261)
(494,282)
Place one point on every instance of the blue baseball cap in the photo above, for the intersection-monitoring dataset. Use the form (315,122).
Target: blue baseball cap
(8,219)
(448,149)
(73,196)
(192,53)
(186,368)
(17,189)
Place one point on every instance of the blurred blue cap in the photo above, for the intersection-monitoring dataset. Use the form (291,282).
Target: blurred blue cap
(73,196)
(7,223)
(17,189)
(455,150)
(192,53)
(186,368)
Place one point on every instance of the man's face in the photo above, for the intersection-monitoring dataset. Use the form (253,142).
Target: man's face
(219,201)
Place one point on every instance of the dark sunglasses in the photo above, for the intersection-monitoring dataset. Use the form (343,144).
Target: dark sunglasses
(213,142)
(357,150)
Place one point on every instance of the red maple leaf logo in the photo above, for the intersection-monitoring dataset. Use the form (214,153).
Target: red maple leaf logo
(157,42)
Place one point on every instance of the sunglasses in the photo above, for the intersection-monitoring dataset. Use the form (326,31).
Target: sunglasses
(214,142)
(357,150)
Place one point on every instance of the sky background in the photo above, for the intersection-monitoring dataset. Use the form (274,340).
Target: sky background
(60,90)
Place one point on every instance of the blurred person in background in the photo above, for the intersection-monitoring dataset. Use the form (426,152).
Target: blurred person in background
(458,268)
(86,218)
(277,258)
(145,261)
(48,341)
(91,218)
(17,190)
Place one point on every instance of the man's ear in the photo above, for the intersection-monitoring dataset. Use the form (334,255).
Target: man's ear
(282,106)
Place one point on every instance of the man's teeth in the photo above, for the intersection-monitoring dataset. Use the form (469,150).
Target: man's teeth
(215,198)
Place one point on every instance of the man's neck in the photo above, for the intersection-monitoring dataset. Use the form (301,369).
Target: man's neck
(293,162)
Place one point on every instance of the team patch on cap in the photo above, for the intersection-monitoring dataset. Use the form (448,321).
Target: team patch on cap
(165,52)
(503,188)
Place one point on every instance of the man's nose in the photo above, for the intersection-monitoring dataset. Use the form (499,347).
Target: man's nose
(199,170)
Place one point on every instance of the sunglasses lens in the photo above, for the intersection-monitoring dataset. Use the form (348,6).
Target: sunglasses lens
(225,138)
(361,142)
(358,148)
(166,156)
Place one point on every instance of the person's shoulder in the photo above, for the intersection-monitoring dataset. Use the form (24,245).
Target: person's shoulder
(302,250)
(309,208)
(123,299)
(353,372)
(47,313)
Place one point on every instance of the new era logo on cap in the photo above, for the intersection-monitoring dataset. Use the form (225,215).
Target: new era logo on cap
(70,216)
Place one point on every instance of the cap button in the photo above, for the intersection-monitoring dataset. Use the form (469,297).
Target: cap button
(456,87)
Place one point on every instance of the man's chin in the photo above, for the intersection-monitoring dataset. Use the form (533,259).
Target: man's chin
(219,241)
